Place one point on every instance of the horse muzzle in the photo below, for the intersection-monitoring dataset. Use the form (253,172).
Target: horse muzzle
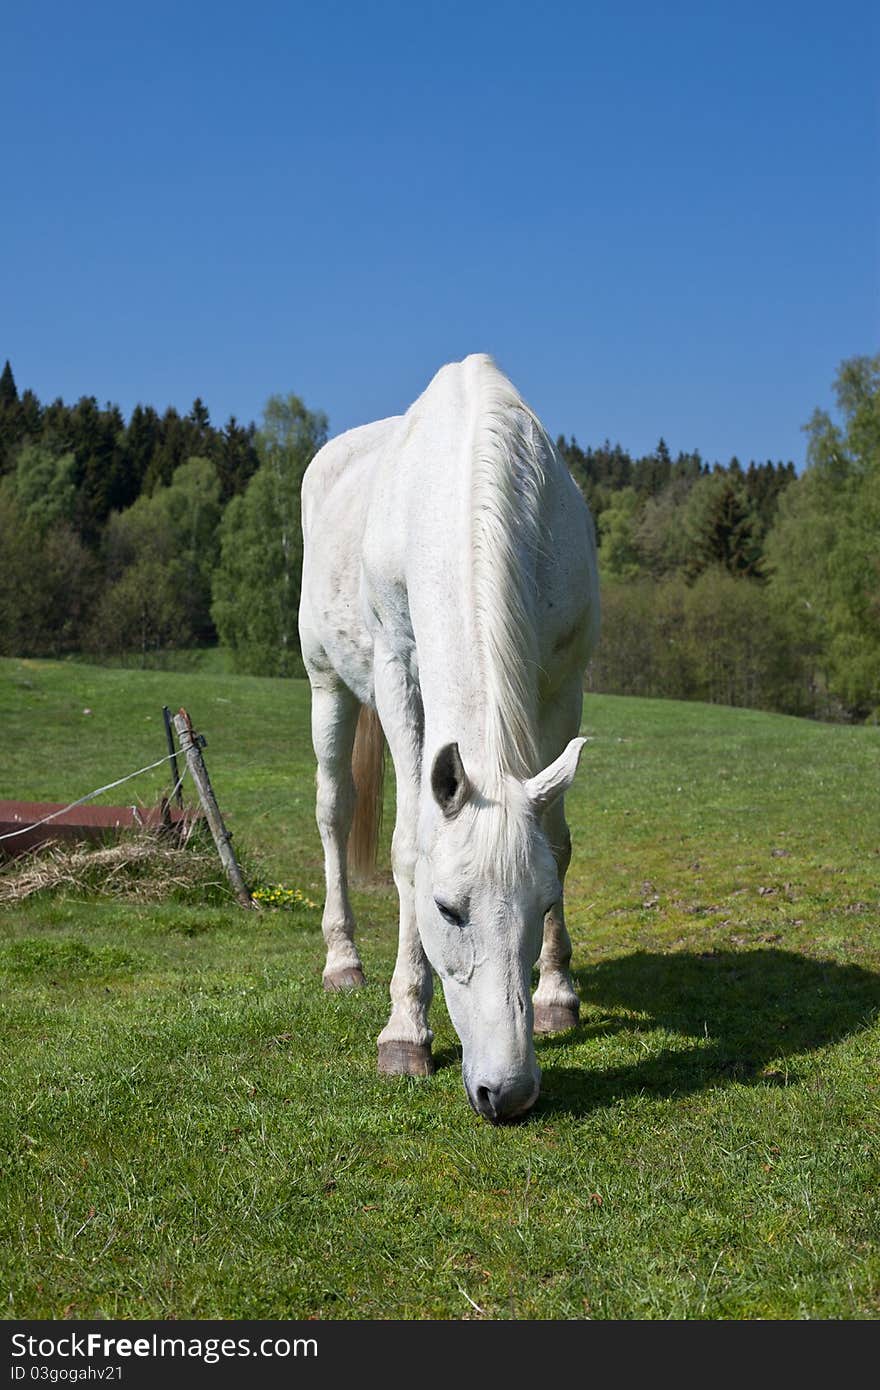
(507,1100)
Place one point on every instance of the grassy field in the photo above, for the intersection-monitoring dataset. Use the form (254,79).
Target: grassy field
(191,1128)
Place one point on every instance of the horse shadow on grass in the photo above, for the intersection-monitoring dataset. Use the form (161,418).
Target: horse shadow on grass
(750,1010)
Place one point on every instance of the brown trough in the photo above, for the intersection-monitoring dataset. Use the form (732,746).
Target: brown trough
(98,823)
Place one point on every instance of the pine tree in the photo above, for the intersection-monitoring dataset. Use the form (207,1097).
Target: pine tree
(141,440)
(58,430)
(8,388)
(728,535)
(175,437)
(721,528)
(10,418)
(199,415)
(31,415)
(237,459)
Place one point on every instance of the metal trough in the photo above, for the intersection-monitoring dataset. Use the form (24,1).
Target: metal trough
(97,823)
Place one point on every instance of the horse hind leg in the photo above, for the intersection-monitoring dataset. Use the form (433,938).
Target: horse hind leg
(334,721)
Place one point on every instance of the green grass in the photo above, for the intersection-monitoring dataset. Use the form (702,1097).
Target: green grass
(192,1128)
(214,660)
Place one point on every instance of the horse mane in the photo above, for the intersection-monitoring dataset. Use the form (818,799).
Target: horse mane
(507,476)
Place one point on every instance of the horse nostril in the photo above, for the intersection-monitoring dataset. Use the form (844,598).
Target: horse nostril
(505,1102)
(486,1102)
(491,1104)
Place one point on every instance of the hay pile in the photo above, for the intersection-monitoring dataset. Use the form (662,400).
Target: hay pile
(144,866)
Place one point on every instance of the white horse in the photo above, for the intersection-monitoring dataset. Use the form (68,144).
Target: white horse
(450,585)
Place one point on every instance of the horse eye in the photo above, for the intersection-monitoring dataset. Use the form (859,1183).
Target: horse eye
(449,914)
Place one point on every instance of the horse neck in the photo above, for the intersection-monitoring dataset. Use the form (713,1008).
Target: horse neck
(479,683)
(506,487)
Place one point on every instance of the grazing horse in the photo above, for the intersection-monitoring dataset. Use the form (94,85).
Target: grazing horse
(450,600)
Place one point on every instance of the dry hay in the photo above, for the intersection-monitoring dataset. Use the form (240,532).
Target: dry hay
(144,866)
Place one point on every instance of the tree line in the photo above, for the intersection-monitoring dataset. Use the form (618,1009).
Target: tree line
(736,583)
(746,585)
(139,539)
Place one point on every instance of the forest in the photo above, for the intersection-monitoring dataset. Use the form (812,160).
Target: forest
(150,539)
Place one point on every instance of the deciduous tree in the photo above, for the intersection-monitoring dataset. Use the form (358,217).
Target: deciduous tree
(824,551)
(257,582)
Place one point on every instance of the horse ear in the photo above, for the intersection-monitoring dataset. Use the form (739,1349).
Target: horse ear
(449,781)
(543,789)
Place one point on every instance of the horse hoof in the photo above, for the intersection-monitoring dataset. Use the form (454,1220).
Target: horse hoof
(556,1018)
(405,1059)
(351,978)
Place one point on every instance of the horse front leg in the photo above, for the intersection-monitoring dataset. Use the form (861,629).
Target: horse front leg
(556,1004)
(555,1001)
(405,1041)
(334,720)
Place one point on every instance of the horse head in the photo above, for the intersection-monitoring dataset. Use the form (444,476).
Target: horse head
(485,879)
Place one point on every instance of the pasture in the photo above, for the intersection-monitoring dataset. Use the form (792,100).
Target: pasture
(191,1128)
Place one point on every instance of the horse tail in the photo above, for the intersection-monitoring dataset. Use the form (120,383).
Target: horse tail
(368,770)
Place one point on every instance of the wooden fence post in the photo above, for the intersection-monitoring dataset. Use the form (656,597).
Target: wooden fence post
(190,746)
(178,794)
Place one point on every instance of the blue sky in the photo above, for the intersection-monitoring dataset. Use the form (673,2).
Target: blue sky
(660,218)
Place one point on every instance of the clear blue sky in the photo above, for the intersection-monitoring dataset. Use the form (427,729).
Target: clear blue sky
(660,218)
